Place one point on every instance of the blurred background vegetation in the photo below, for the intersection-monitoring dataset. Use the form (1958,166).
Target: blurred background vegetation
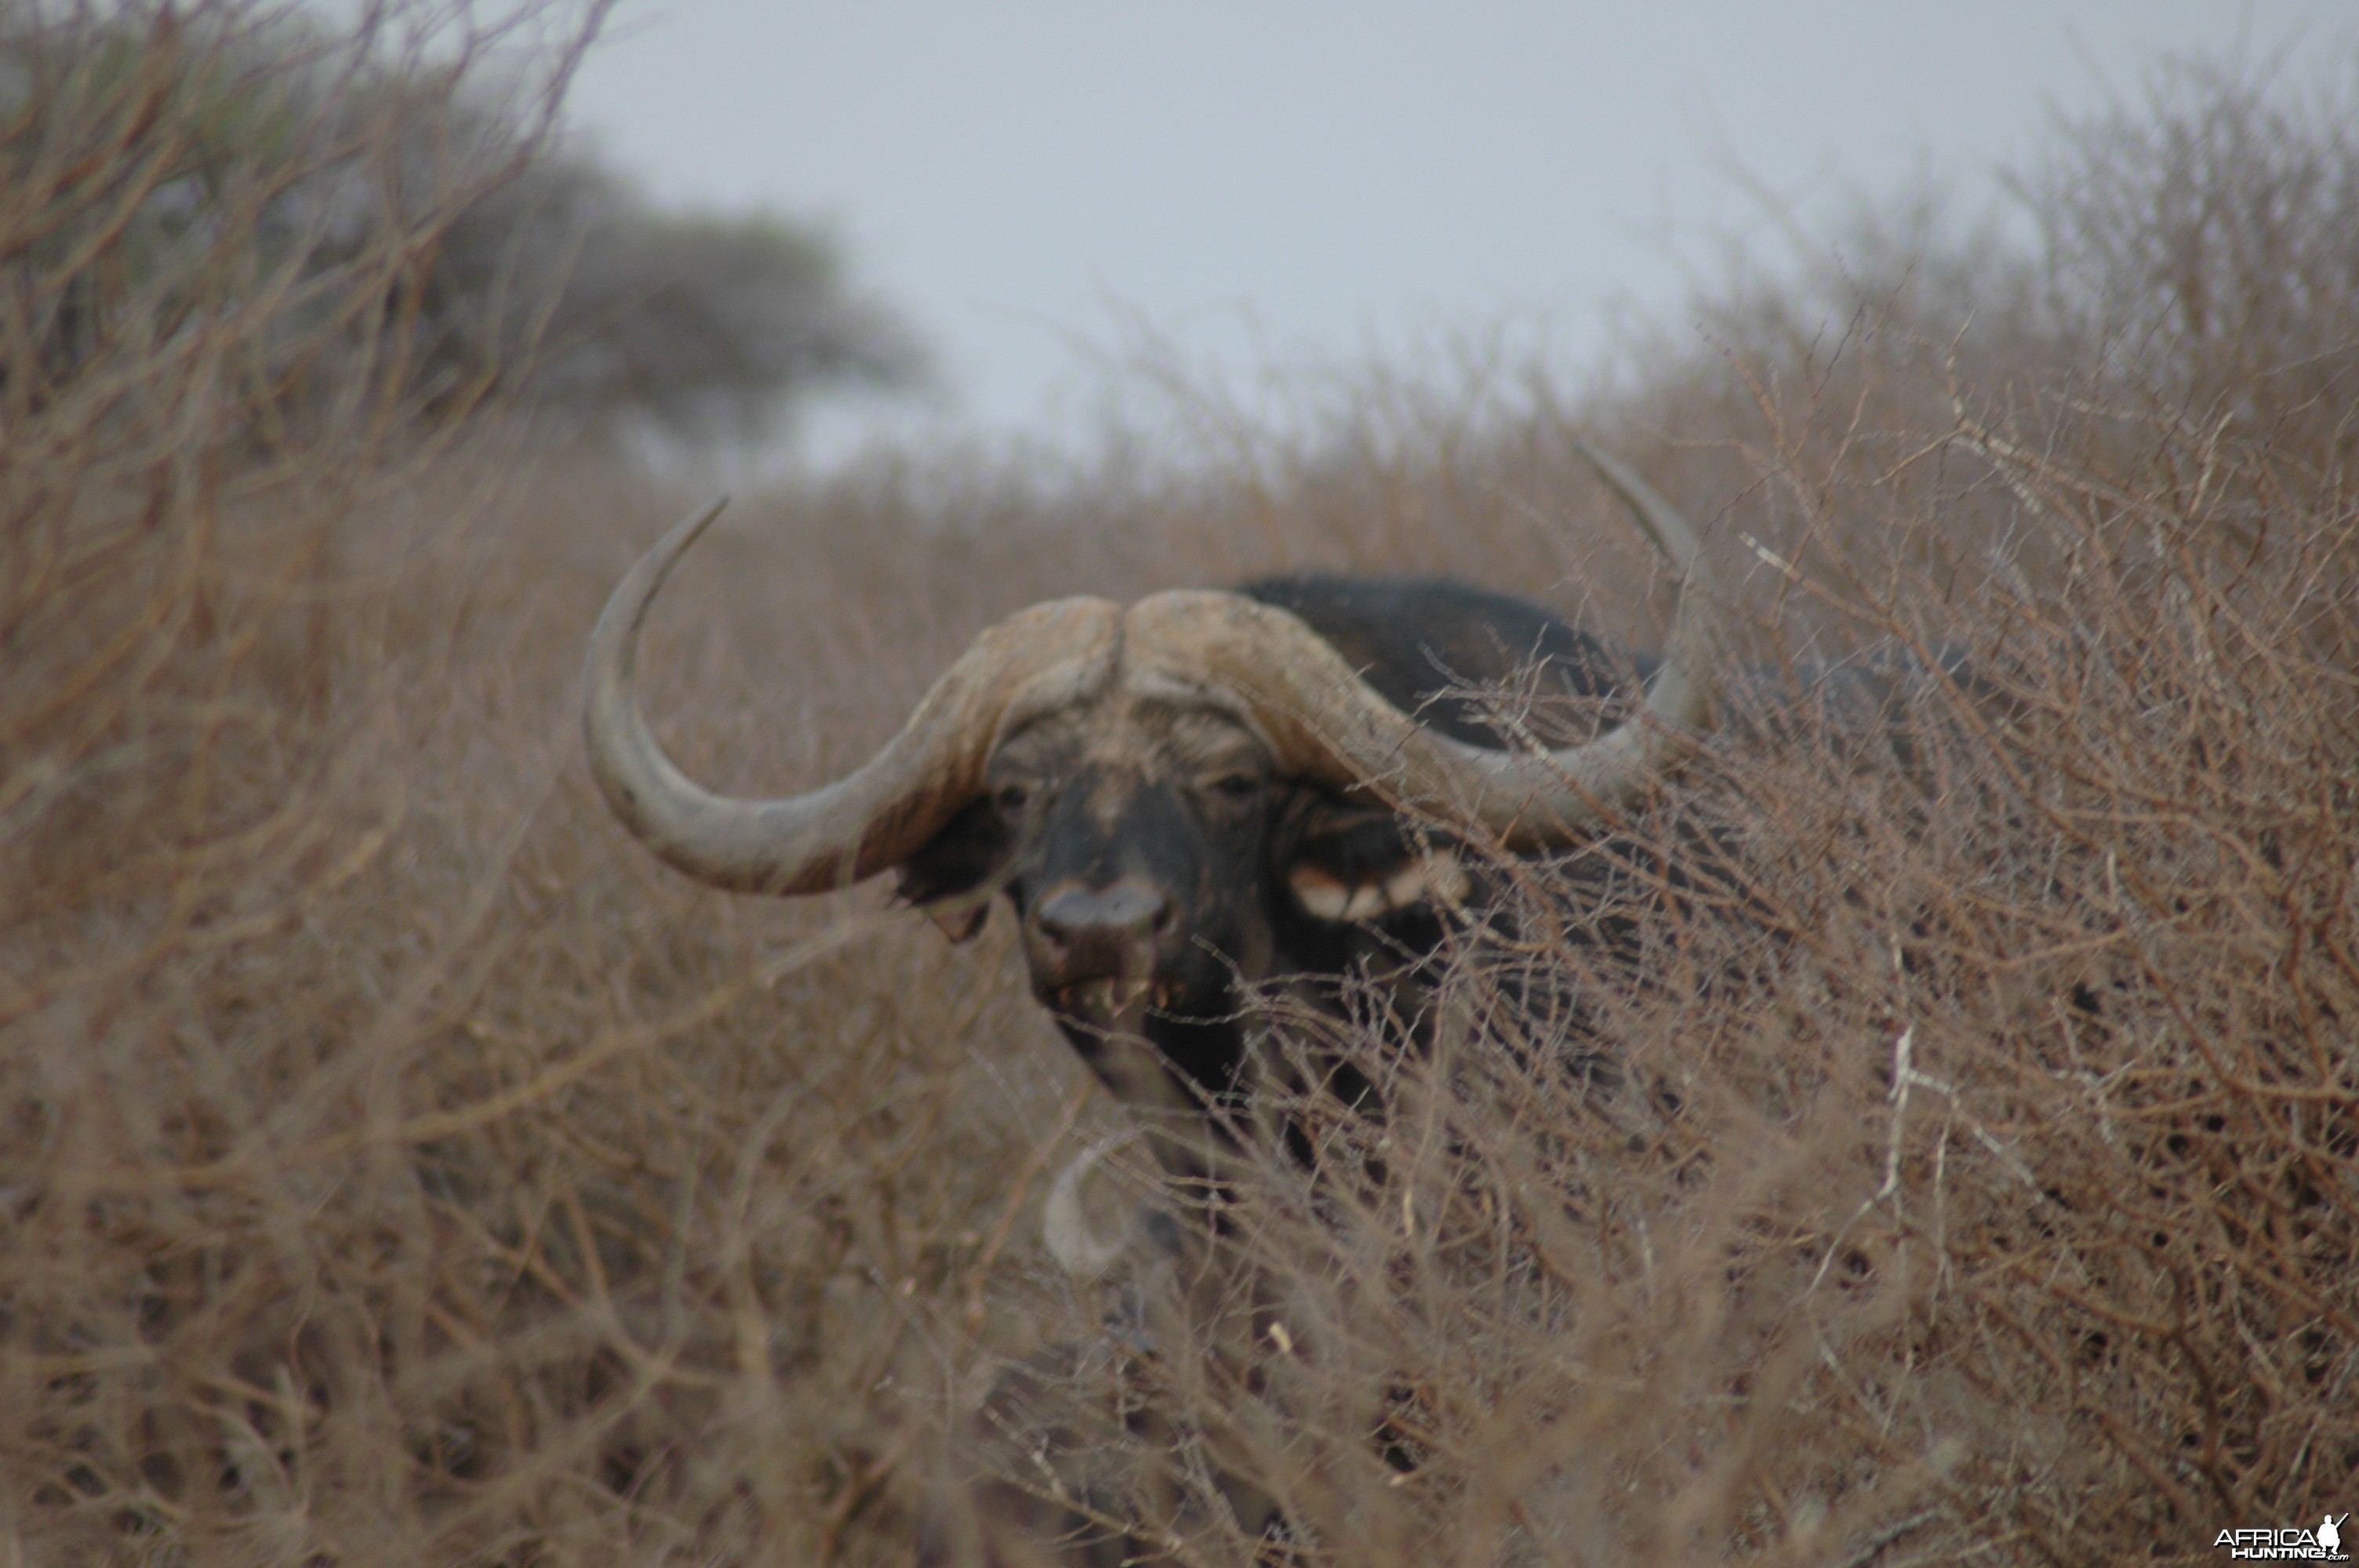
(404,201)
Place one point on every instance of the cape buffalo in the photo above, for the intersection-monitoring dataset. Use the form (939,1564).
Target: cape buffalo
(1200,790)
(1198,793)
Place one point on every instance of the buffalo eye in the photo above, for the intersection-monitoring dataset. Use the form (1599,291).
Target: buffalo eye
(1237,788)
(1010,799)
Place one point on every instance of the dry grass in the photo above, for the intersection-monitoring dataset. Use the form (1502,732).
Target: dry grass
(399,1167)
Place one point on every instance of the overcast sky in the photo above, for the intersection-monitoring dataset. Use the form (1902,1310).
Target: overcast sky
(1305,179)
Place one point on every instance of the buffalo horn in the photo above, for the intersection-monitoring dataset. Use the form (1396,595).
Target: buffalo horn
(1043,658)
(1327,725)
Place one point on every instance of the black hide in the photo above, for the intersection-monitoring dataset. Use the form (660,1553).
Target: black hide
(1155,867)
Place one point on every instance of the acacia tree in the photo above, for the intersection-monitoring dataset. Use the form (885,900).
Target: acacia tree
(600,308)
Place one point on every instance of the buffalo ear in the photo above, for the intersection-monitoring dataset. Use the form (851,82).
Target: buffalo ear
(1343,862)
(953,874)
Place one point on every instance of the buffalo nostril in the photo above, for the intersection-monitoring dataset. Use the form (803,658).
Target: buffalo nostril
(1122,912)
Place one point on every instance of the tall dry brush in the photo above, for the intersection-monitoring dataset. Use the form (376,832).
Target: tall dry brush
(1955,1158)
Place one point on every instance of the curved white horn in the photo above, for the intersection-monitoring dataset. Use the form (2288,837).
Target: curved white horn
(1037,659)
(1328,725)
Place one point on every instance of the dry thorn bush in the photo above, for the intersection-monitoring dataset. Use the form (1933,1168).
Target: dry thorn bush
(1932,1140)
